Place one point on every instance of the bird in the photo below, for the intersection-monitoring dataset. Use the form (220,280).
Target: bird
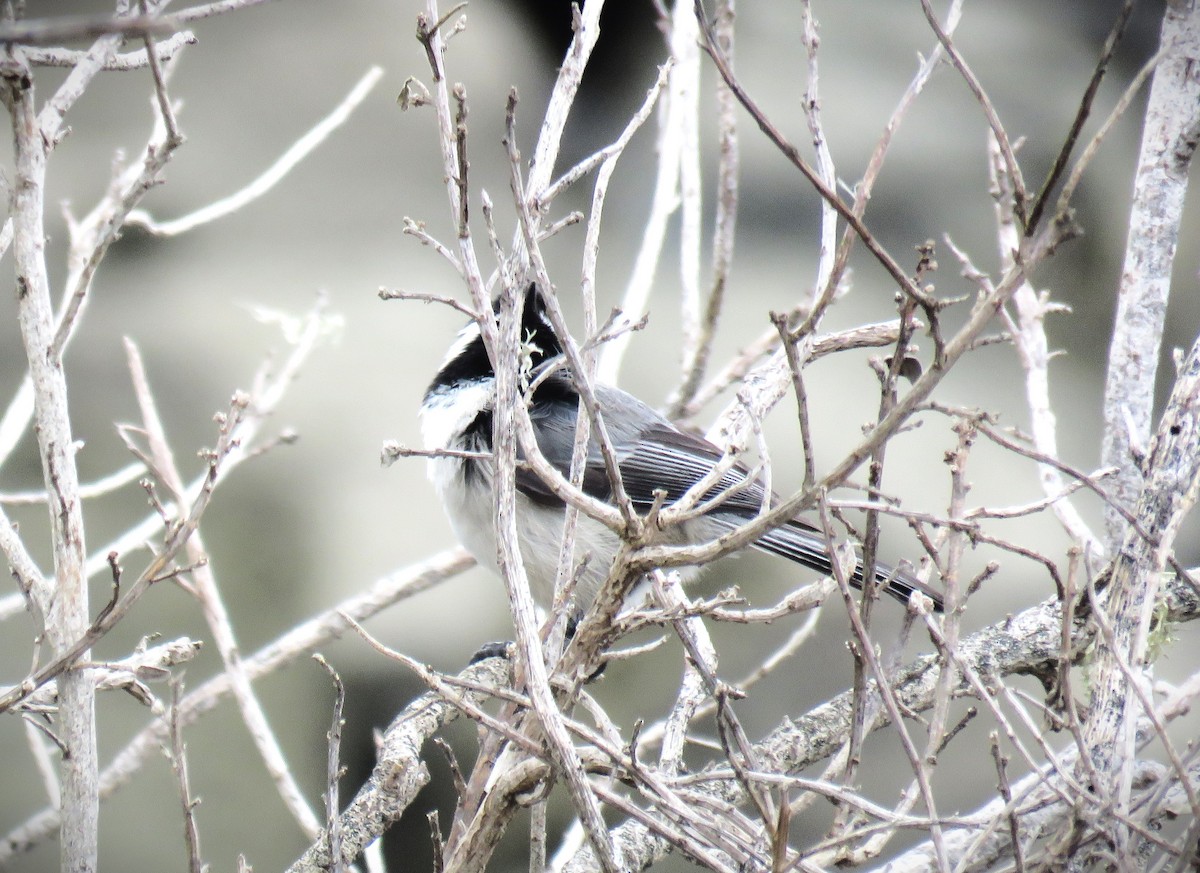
(654,456)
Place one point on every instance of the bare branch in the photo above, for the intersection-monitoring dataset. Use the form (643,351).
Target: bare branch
(1081,115)
(1168,143)
(724,225)
(99,488)
(1022,644)
(399,772)
(294,644)
(69,28)
(212,604)
(1171,490)
(1029,337)
(272,176)
(134,60)
(1011,166)
(191,834)
(793,155)
(333,771)
(146,664)
(67,612)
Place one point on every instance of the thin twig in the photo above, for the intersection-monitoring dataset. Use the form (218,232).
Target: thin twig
(1029,338)
(272,176)
(1118,111)
(99,488)
(287,649)
(793,155)
(173,136)
(211,602)
(724,224)
(1012,167)
(69,28)
(191,834)
(334,770)
(164,51)
(1082,113)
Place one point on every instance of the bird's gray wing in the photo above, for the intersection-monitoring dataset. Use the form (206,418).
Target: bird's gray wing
(652,453)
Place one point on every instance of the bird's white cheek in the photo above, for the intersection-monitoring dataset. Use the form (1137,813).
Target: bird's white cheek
(444,418)
(445,415)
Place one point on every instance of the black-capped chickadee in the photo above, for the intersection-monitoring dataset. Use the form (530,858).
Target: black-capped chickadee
(653,454)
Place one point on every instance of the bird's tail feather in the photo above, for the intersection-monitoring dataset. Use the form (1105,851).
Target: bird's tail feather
(798,542)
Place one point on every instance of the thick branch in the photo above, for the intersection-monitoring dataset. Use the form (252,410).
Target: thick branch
(67,613)
(1172,486)
(400,771)
(1168,142)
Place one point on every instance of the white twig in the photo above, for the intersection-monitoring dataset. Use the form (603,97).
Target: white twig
(695,360)
(212,604)
(219,7)
(296,643)
(146,664)
(68,28)
(273,175)
(1033,350)
(664,201)
(134,60)
(179,764)
(30,579)
(607,159)
(825,167)
(99,488)
(39,749)
(683,104)
(691,692)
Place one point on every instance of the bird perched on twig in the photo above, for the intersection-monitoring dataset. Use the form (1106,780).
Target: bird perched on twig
(653,456)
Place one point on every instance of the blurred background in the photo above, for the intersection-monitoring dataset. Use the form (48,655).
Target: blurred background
(308,525)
